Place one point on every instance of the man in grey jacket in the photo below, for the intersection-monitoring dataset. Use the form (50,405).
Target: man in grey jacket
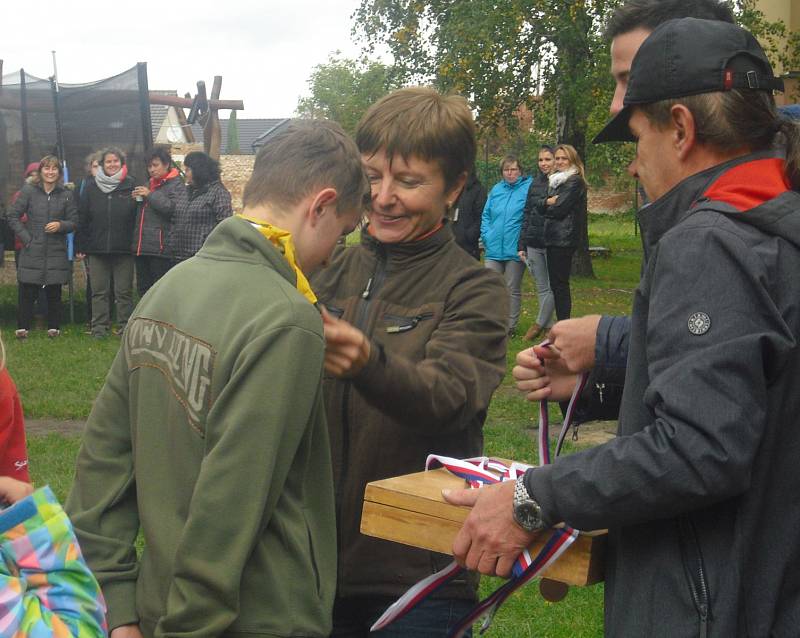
(697,489)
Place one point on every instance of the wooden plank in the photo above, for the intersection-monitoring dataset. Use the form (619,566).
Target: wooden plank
(410,510)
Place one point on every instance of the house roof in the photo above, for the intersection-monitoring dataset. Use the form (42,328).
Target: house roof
(250,132)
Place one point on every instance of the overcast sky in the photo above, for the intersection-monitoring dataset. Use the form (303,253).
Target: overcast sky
(264,50)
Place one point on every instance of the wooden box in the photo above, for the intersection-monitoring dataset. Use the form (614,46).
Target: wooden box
(410,509)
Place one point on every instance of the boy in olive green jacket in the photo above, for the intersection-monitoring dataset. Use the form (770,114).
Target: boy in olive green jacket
(209,434)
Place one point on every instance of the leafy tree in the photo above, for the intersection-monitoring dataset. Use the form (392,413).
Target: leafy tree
(342,89)
(545,54)
(549,55)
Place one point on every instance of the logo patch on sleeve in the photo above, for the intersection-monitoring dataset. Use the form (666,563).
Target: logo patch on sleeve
(699,323)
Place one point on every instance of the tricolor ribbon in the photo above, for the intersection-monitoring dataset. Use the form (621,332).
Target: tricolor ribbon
(477,472)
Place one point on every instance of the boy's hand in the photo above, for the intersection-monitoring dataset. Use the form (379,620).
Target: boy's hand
(126,631)
(12,490)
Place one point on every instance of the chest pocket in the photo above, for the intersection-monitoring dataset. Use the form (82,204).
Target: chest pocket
(395,324)
(407,331)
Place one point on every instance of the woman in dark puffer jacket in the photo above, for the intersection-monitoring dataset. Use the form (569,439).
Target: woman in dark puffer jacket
(43,262)
(107,211)
(203,205)
(154,218)
(531,243)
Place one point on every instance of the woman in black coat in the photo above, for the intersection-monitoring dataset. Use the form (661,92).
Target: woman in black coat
(154,219)
(43,263)
(532,246)
(565,207)
(107,211)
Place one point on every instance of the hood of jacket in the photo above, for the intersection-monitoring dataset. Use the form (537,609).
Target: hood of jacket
(751,189)
(235,239)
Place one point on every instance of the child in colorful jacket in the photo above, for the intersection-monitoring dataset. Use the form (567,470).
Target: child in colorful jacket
(46,588)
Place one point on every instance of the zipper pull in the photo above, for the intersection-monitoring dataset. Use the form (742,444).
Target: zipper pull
(575,431)
(600,387)
(367,288)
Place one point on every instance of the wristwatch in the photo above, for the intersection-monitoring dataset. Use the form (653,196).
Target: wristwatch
(527,512)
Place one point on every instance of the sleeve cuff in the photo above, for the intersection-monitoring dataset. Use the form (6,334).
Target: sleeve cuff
(538,483)
(121,601)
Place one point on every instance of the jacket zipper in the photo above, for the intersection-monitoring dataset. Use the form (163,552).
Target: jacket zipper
(108,222)
(695,572)
(44,242)
(373,285)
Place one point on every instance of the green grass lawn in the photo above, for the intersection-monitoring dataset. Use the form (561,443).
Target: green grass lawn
(60,378)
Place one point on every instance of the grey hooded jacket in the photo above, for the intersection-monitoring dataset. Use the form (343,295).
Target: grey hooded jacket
(43,258)
(700,489)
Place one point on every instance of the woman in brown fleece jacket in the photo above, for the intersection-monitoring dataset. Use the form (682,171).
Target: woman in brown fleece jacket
(416,338)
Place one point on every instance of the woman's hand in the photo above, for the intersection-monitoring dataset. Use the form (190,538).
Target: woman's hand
(52,227)
(12,490)
(522,256)
(141,191)
(550,201)
(346,347)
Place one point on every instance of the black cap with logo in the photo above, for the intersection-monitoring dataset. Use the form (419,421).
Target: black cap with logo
(689,57)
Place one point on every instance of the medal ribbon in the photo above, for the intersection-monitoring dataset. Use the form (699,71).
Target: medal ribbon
(477,472)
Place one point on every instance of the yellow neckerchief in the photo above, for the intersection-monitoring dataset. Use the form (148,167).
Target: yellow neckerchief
(282,240)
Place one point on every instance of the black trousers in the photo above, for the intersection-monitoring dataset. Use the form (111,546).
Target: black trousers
(559,264)
(149,270)
(27,298)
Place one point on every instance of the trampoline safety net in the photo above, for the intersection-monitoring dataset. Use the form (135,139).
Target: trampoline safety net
(72,121)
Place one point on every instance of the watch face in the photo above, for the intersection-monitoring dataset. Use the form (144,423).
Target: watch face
(529,515)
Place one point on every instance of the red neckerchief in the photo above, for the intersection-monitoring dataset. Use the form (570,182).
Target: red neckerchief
(750,184)
(158,182)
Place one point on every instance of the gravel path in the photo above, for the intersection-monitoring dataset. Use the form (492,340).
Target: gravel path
(40,427)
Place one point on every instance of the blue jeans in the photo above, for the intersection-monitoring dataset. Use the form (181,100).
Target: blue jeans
(352,618)
(512,270)
(537,264)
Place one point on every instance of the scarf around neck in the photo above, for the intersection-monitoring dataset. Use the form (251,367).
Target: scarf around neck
(556,179)
(108,183)
(158,182)
(282,240)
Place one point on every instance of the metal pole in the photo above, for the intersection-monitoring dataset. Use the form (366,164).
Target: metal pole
(63,159)
(55,69)
(144,106)
(23,105)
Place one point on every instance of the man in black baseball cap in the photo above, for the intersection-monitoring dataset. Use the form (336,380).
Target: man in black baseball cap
(691,57)
(699,490)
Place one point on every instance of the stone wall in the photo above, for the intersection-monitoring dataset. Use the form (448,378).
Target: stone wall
(236,171)
(606,200)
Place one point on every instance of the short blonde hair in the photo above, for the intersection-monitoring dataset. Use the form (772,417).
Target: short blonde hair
(421,122)
(573,156)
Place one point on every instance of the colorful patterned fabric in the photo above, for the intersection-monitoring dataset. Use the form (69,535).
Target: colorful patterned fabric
(46,588)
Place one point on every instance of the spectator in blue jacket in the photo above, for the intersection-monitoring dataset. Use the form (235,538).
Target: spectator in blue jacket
(500,226)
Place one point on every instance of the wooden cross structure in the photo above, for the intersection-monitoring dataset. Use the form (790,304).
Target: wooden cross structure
(201,109)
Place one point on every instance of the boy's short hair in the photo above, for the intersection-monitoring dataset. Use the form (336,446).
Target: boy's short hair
(649,14)
(421,122)
(303,157)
